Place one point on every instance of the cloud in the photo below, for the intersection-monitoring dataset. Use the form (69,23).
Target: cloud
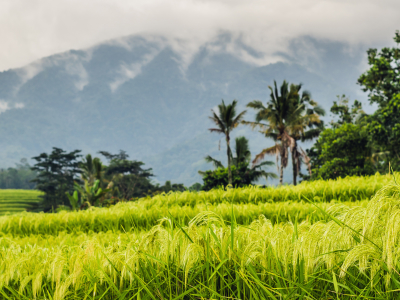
(4,106)
(28,72)
(70,61)
(30,29)
(128,72)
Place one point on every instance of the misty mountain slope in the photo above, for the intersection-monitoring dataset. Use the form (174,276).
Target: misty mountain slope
(149,97)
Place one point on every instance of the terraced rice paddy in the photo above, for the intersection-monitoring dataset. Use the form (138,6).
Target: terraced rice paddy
(13,201)
(247,243)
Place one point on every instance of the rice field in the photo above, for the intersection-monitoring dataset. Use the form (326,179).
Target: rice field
(14,201)
(220,246)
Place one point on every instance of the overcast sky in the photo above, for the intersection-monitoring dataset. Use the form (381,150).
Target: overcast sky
(31,29)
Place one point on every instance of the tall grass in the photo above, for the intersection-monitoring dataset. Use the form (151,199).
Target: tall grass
(354,256)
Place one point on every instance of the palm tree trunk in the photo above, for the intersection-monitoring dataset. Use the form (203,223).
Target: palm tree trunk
(228,152)
(294,162)
(281,173)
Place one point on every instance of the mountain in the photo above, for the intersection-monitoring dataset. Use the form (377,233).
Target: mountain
(152,97)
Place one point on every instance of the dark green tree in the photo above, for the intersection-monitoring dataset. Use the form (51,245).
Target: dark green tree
(346,114)
(382,81)
(172,187)
(195,187)
(340,152)
(56,173)
(243,174)
(226,120)
(127,177)
(92,169)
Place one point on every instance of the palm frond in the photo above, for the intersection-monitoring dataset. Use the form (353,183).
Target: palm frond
(216,163)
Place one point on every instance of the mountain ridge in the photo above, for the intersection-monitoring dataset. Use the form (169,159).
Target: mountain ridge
(147,98)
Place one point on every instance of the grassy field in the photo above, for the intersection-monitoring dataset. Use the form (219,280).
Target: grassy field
(13,201)
(238,244)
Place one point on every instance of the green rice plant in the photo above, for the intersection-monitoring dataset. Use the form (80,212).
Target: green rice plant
(138,216)
(13,201)
(353,256)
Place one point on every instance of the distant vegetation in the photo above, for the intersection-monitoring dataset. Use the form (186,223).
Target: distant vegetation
(19,177)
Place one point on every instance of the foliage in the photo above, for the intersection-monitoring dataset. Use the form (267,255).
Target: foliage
(346,114)
(243,174)
(355,254)
(92,169)
(226,120)
(91,194)
(287,117)
(381,80)
(175,187)
(19,177)
(74,200)
(384,128)
(57,172)
(341,152)
(195,187)
(128,178)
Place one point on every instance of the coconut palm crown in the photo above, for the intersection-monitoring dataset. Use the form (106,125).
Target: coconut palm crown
(287,116)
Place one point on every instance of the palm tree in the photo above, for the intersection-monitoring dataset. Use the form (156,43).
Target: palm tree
(243,158)
(92,169)
(287,115)
(303,124)
(226,120)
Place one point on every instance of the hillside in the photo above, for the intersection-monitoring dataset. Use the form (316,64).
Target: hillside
(150,98)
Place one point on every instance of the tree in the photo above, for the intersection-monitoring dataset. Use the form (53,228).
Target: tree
(346,114)
(195,187)
(226,120)
(127,177)
(242,175)
(56,174)
(92,169)
(287,116)
(382,81)
(343,150)
(304,124)
(174,187)
(340,152)
(19,177)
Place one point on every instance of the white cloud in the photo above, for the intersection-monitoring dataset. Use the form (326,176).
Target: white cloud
(19,105)
(30,29)
(128,72)
(73,64)
(28,72)
(4,106)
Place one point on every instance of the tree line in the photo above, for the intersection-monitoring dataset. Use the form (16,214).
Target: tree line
(354,143)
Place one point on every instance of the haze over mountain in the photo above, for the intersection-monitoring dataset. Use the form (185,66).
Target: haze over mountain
(152,97)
